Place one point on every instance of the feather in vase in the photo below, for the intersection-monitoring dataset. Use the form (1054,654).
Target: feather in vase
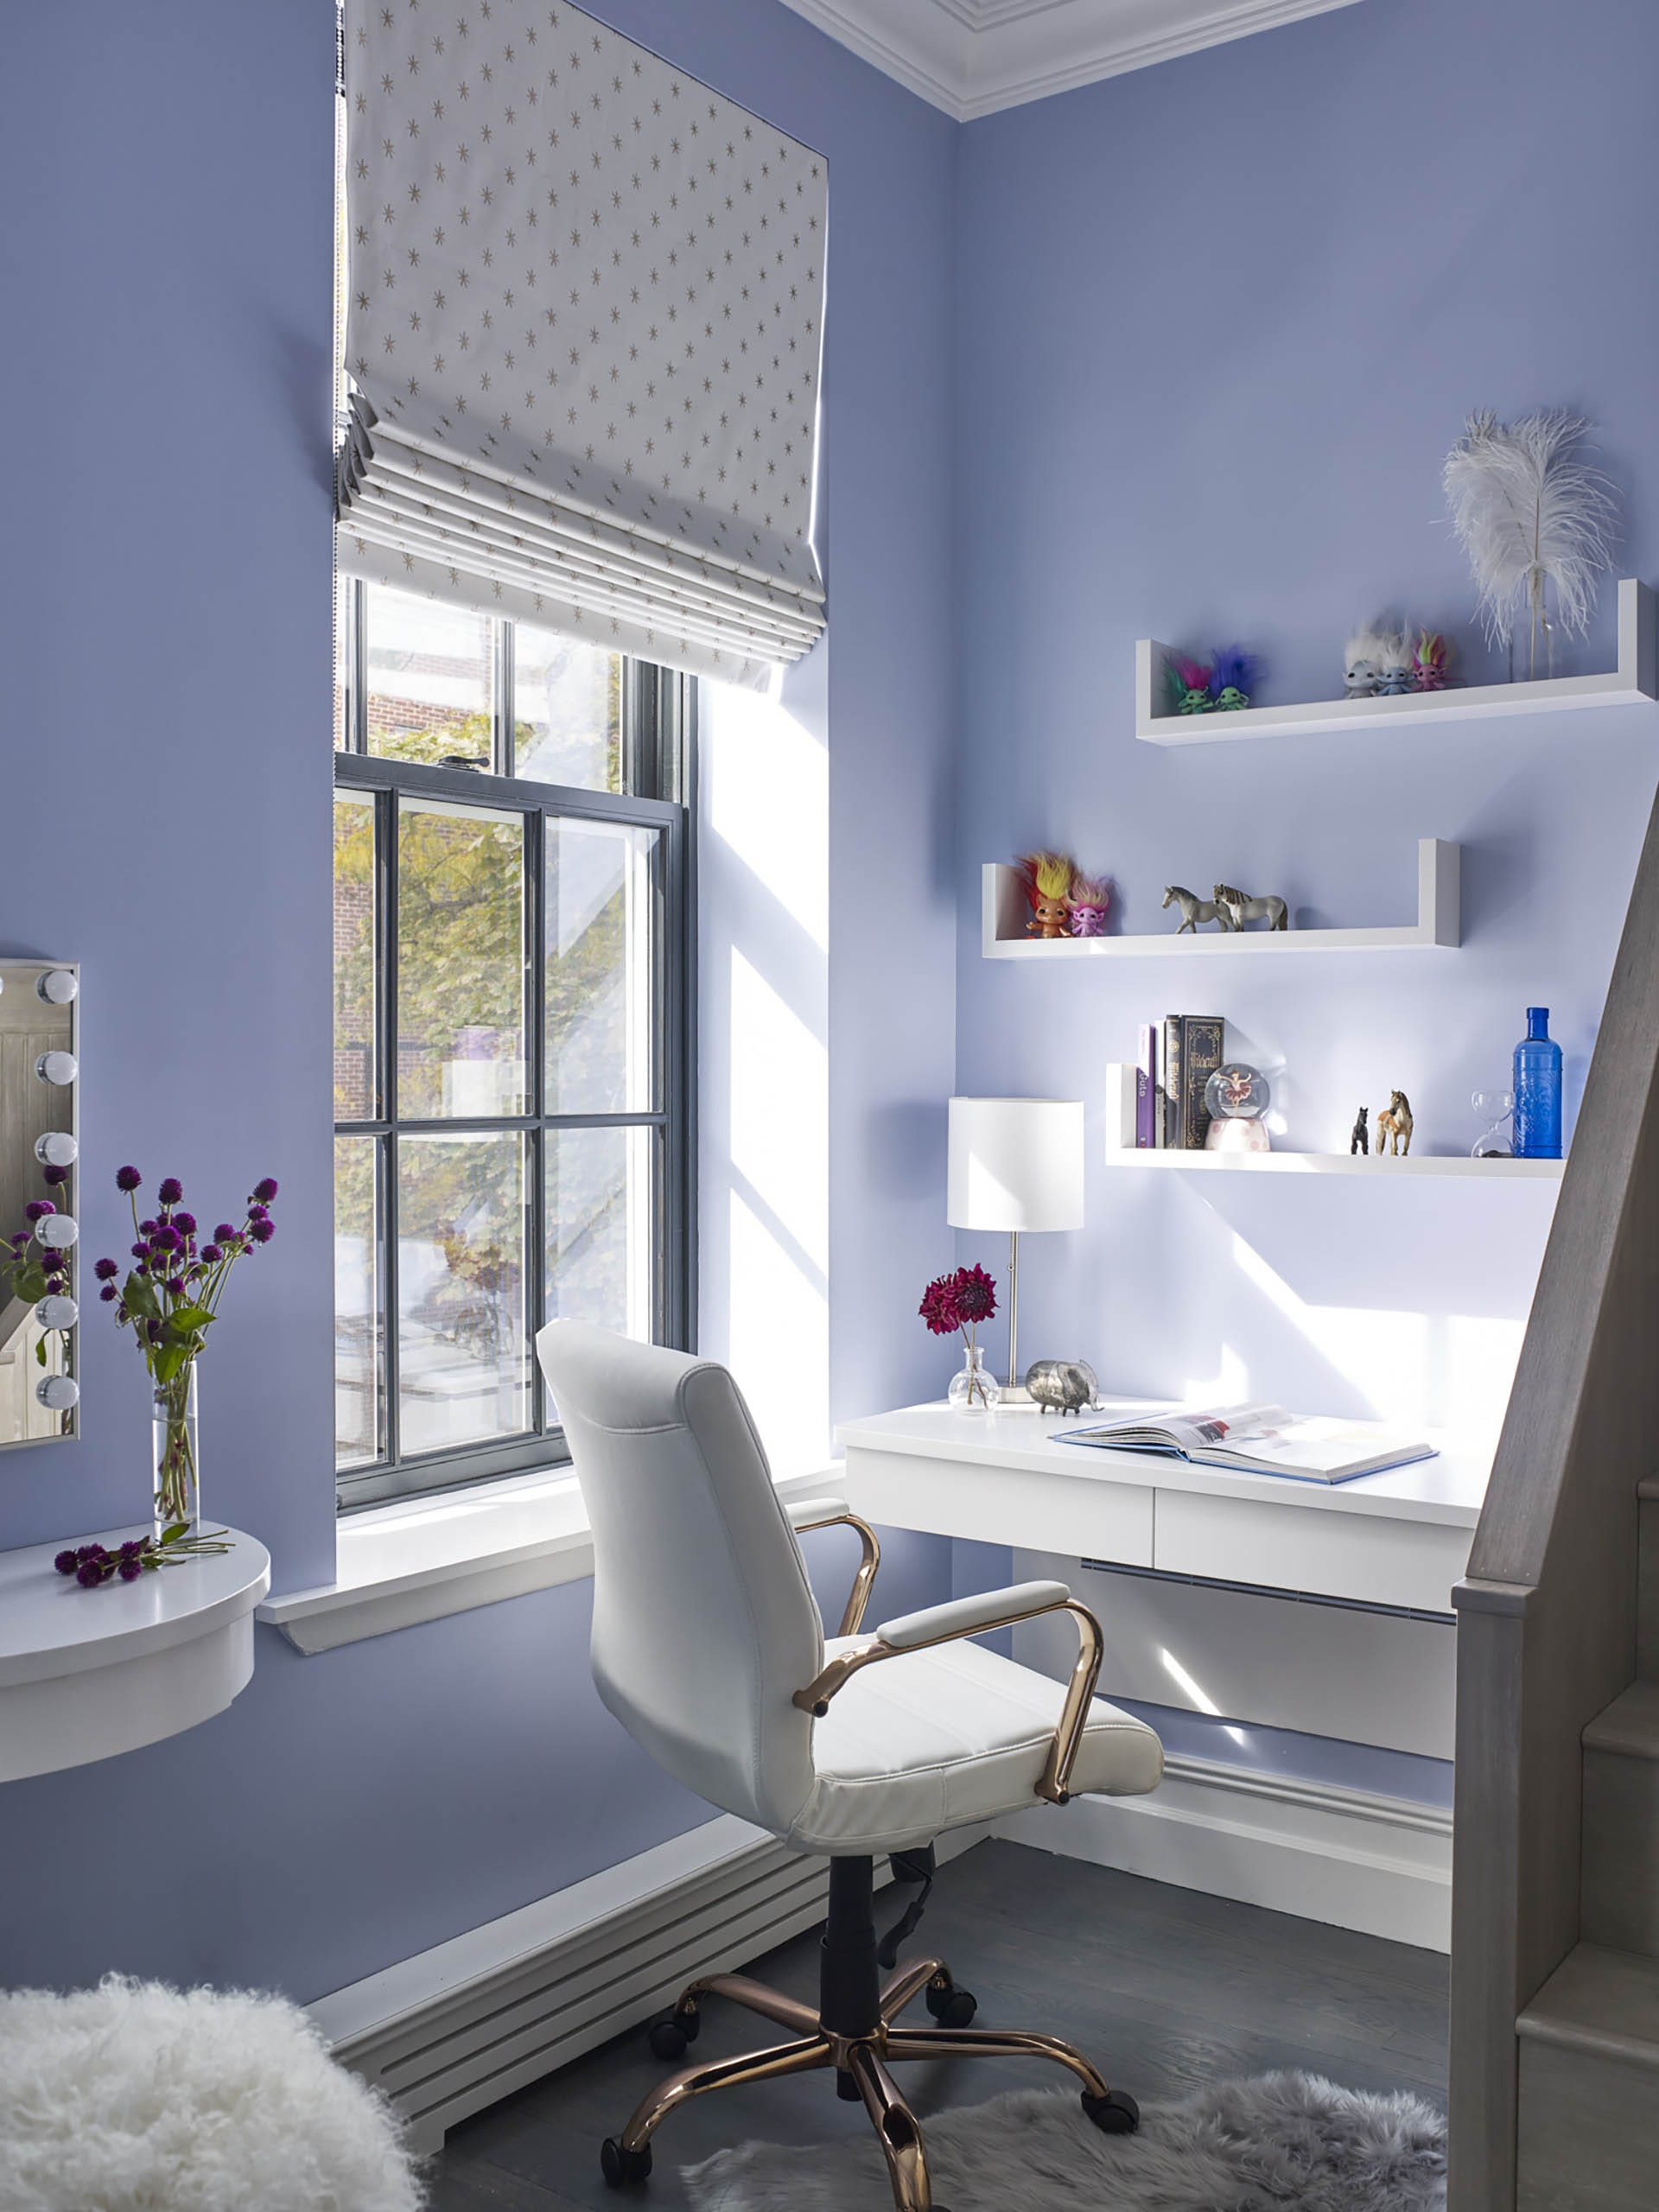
(1531,514)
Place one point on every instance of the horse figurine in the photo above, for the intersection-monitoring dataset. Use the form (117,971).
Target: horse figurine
(1360,1142)
(1395,1122)
(1240,910)
(1194,909)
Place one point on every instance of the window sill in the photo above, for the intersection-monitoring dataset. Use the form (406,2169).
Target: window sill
(422,1558)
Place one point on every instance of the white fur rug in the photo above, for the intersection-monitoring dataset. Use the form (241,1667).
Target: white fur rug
(1280,2143)
(133,2097)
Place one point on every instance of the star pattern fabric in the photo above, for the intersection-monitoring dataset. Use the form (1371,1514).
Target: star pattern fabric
(583,331)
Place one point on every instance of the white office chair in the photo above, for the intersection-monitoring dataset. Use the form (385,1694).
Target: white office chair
(709,1648)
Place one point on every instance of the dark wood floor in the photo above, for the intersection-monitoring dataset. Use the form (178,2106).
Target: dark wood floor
(1163,1988)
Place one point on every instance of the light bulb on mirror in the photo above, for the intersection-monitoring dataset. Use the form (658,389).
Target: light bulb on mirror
(57,1148)
(58,1229)
(57,1067)
(57,1393)
(57,986)
(57,1313)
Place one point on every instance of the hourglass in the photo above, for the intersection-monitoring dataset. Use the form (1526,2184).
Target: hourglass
(1494,1108)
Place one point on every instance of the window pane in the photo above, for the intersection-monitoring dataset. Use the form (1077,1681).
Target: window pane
(566,711)
(355,1091)
(460,962)
(601,1228)
(360,1341)
(602,904)
(431,687)
(463,1348)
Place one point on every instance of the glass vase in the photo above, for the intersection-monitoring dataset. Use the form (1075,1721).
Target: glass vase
(973,1388)
(177,1467)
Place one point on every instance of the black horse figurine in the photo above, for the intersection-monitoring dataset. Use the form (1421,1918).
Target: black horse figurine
(1361,1140)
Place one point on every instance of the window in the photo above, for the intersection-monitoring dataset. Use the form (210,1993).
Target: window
(512,953)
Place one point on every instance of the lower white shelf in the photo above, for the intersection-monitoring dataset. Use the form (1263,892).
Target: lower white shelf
(1337,1163)
(85,1673)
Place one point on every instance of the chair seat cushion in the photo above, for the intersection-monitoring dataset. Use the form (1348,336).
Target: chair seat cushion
(939,1739)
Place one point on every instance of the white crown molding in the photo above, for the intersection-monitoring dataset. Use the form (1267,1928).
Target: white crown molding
(974,57)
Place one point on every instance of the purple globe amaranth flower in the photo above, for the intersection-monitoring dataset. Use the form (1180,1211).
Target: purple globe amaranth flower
(259,1213)
(131,1569)
(265,1190)
(109,1293)
(170,1190)
(139,1251)
(90,1551)
(52,1176)
(153,1331)
(106,1270)
(166,1239)
(128,1178)
(65,1562)
(38,1209)
(176,1284)
(223,1233)
(89,1574)
(212,1254)
(263,1232)
(131,1548)
(148,1228)
(185,1224)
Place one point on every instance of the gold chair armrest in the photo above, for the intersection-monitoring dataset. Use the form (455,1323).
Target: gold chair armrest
(833,1517)
(1054,1781)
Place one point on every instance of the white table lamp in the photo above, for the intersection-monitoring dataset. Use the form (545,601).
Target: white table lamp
(1016,1163)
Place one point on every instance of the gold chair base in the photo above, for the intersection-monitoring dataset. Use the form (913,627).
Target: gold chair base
(865,2060)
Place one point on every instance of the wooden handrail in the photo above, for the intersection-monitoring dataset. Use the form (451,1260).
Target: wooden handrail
(1546,1616)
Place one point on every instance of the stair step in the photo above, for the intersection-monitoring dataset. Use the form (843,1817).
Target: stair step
(1589,2074)
(1619,1894)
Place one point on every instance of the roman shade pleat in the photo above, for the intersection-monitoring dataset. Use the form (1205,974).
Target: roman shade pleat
(582,337)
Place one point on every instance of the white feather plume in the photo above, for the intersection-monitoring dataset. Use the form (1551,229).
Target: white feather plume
(1531,514)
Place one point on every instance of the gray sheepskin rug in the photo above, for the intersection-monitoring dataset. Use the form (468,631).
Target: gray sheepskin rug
(1279,2143)
(133,2097)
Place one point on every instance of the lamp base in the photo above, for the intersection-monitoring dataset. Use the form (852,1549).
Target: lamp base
(1014,1398)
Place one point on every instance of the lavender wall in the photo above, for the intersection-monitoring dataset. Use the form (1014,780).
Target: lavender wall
(1218,323)
(166,267)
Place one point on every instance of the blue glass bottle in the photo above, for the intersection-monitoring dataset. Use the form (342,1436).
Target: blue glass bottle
(1537,1090)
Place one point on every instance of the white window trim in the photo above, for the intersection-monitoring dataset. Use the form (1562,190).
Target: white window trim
(420,1559)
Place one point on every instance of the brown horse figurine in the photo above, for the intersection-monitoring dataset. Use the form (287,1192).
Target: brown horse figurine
(1393,1124)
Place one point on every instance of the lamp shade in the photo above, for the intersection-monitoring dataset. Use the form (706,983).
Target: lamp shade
(1016,1163)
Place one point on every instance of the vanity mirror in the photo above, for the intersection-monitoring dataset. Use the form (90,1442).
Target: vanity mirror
(40,1047)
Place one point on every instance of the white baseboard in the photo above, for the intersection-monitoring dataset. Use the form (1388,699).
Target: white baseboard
(1381,1864)
(456,2028)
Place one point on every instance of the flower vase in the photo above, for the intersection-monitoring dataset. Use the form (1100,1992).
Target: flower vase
(973,1388)
(177,1468)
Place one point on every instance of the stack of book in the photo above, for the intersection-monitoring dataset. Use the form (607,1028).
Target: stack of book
(1178,1056)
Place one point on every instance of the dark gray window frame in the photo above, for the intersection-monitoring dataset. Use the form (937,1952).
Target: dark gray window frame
(660,709)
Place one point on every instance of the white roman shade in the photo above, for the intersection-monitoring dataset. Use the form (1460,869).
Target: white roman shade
(582,336)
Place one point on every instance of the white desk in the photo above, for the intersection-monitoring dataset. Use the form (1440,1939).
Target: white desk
(1399,1539)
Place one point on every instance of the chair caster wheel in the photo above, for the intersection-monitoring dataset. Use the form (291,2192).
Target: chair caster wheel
(670,2035)
(620,2166)
(950,2006)
(1116,2113)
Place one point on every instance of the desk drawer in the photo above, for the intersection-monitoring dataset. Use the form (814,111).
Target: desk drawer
(1003,1505)
(1323,1550)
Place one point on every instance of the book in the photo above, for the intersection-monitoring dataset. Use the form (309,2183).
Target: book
(1203,1050)
(1259,1441)
(1174,1094)
(1123,1103)
(1146,1087)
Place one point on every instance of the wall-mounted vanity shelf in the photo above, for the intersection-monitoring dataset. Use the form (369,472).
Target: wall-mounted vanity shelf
(1379,1169)
(1635,682)
(1006,911)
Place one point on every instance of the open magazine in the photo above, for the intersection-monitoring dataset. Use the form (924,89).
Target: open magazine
(1260,1440)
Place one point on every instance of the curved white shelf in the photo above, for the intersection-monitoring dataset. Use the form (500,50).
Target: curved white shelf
(1005,912)
(1634,682)
(85,1673)
(1379,1168)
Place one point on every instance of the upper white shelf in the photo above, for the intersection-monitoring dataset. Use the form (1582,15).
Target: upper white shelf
(1633,683)
(85,1673)
(1005,912)
(1379,1167)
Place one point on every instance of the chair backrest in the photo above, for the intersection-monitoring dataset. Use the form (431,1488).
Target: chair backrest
(705,1623)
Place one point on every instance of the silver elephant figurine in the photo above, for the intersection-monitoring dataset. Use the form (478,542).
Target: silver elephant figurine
(1064,1386)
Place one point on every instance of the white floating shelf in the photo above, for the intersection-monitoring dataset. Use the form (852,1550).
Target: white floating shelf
(1634,682)
(1378,1169)
(85,1673)
(1006,911)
